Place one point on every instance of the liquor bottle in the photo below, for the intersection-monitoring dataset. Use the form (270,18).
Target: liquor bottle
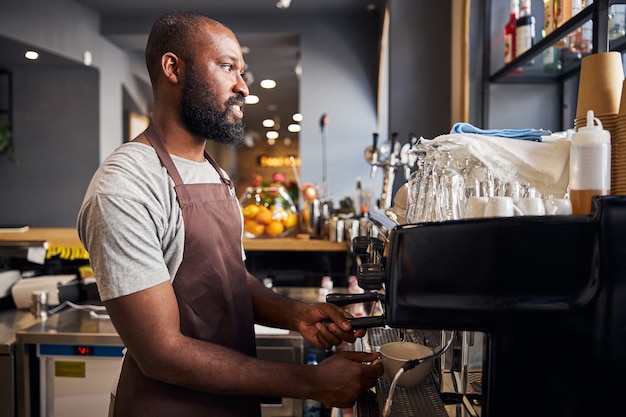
(524,29)
(509,33)
(551,59)
(587,31)
(616,21)
(579,43)
(590,164)
(311,408)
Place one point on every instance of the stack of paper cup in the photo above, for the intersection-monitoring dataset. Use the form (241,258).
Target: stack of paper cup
(600,89)
(618,149)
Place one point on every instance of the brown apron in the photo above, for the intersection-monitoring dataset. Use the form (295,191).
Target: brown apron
(213,300)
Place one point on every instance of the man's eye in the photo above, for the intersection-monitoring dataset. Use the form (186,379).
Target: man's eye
(228,67)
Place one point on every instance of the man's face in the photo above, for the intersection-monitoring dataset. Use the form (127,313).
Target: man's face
(204,115)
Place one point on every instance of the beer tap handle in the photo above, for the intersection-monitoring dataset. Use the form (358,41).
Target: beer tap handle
(394,141)
(374,161)
(374,168)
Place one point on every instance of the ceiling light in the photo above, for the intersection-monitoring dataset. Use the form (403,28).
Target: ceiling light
(268,84)
(268,123)
(283,4)
(272,134)
(252,99)
(32,55)
(294,128)
(87,58)
(271,141)
(297,117)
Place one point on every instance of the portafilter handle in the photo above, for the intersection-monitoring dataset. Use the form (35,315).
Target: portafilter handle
(358,322)
(363,322)
(339,299)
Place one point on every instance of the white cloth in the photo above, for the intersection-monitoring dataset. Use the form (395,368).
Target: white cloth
(542,165)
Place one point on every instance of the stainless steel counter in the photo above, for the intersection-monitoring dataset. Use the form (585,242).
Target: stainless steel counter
(70,326)
(12,321)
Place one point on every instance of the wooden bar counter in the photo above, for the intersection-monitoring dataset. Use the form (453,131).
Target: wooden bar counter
(68,237)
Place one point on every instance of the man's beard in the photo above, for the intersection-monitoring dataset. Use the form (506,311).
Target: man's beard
(201,112)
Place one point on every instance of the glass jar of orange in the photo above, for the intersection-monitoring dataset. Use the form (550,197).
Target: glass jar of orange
(268,212)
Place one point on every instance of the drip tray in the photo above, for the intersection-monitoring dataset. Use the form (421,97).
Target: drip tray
(423,400)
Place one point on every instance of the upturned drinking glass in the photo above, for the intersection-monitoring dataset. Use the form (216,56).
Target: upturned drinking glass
(478,179)
(450,186)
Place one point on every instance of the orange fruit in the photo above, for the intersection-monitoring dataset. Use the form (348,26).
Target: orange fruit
(254,228)
(264,216)
(291,220)
(275,228)
(250,210)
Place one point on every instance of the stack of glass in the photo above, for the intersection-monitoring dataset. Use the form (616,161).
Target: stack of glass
(447,177)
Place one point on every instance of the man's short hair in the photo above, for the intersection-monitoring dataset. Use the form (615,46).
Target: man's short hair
(173,32)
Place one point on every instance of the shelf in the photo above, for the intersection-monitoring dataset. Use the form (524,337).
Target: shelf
(54,236)
(294,244)
(535,73)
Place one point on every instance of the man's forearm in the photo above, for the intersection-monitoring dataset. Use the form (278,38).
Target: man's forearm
(271,308)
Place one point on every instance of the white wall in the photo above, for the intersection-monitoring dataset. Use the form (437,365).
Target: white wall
(334,82)
(67,29)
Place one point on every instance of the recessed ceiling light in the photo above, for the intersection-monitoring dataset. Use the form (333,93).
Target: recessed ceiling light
(268,123)
(32,55)
(271,141)
(297,117)
(294,127)
(87,58)
(272,134)
(252,99)
(268,84)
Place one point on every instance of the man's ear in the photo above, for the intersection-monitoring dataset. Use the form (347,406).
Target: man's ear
(171,66)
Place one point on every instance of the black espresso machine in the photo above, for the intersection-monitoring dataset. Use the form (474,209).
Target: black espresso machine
(548,293)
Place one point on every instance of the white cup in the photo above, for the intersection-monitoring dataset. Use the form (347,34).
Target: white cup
(530,206)
(475,207)
(501,207)
(560,206)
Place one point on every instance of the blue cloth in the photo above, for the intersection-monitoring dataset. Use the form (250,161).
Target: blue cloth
(523,134)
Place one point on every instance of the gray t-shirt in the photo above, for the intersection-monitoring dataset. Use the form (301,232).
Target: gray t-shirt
(130,221)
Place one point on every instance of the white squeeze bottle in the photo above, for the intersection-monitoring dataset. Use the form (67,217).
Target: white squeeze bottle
(311,408)
(590,164)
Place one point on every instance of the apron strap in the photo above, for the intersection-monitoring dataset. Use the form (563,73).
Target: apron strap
(153,136)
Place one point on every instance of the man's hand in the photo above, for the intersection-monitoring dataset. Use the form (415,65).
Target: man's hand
(326,335)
